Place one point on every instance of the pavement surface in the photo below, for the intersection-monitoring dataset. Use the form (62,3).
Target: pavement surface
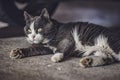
(41,67)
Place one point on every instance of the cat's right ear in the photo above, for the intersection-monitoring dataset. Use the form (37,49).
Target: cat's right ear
(27,16)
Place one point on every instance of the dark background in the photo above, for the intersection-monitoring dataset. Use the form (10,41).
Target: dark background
(102,12)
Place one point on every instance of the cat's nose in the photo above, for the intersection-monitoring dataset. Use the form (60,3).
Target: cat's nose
(33,36)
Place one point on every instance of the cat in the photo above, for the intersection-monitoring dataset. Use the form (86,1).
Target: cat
(96,45)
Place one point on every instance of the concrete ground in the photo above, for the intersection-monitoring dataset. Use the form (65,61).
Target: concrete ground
(41,68)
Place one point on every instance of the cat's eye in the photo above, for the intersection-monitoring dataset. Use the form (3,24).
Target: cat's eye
(29,30)
(39,30)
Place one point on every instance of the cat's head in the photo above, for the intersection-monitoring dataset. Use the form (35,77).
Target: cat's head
(38,29)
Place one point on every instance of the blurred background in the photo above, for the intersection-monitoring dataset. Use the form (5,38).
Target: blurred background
(102,12)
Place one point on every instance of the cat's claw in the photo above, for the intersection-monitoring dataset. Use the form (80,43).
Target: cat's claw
(86,62)
(16,54)
(57,57)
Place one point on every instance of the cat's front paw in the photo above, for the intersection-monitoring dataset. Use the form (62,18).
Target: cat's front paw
(16,53)
(57,57)
(86,62)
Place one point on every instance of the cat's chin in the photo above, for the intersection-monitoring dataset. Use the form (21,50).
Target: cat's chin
(36,42)
(33,42)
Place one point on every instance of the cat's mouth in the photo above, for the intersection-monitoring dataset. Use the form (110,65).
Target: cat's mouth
(34,41)
(37,41)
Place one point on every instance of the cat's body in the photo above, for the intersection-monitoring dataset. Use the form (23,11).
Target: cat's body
(96,44)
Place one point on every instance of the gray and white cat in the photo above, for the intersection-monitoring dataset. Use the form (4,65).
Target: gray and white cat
(95,44)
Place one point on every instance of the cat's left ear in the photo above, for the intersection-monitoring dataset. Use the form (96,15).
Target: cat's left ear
(28,17)
(45,13)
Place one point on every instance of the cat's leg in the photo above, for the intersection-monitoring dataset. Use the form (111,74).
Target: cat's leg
(30,51)
(65,46)
(17,53)
(99,58)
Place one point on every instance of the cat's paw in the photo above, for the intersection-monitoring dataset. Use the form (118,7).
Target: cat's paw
(16,53)
(86,62)
(57,57)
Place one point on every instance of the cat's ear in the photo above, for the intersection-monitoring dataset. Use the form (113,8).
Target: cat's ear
(44,13)
(27,16)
